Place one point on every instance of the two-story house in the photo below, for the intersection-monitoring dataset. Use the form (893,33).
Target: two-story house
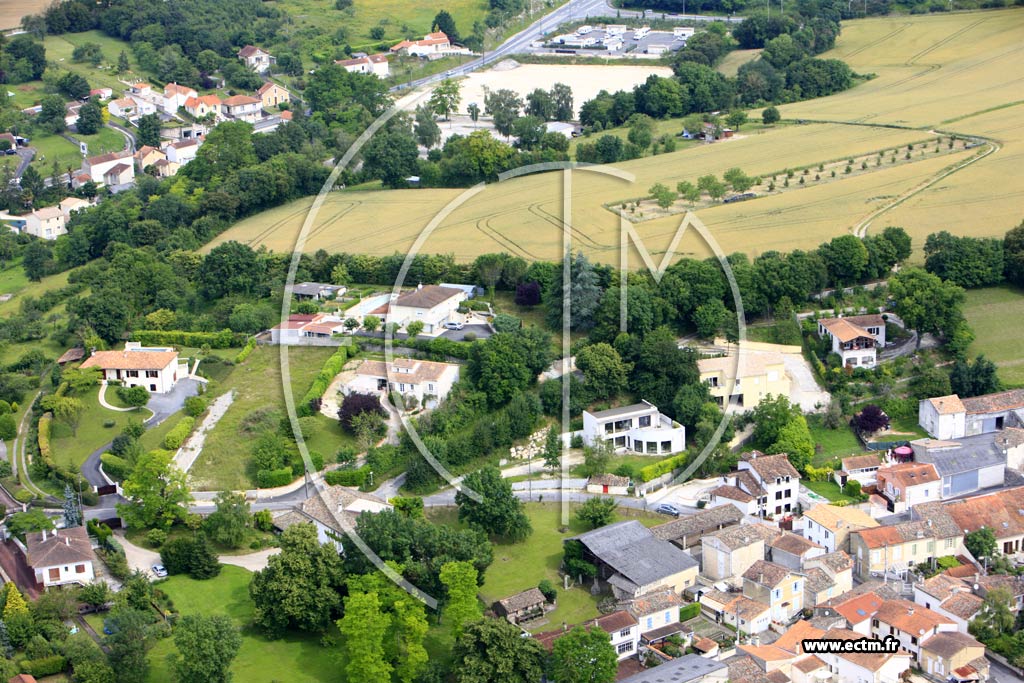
(776,477)
(950,597)
(655,610)
(46,223)
(745,380)
(826,577)
(422,379)
(182,151)
(1002,512)
(242,108)
(856,338)
(954,656)
(257,59)
(950,417)
(640,428)
(907,484)
(97,167)
(894,549)
(687,531)
(273,95)
(432,305)
(747,615)
(909,623)
(792,550)
(205,106)
(728,553)
(175,97)
(830,525)
(781,588)
(622,629)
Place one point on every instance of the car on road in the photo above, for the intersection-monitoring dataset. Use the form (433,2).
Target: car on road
(159,571)
(454,325)
(667,509)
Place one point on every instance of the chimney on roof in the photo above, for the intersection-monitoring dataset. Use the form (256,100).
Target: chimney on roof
(67,541)
(760,578)
(976,577)
(44,534)
(910,611)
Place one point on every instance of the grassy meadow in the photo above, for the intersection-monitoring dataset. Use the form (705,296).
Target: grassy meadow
(224,462)
(990,312)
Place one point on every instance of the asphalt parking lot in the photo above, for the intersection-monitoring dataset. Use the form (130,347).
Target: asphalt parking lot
(481,332)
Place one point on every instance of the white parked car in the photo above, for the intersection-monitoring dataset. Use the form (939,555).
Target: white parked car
(159,571)
(454,325)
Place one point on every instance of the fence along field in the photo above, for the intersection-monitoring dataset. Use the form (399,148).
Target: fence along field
(920,61)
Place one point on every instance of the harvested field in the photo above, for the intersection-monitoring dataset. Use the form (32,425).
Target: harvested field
(11,11)
(952,73)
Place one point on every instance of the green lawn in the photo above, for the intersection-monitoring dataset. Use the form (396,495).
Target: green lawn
(13,281)
(71,449)
(225,460)
(138,537)
(59,49)
(634,462)
(67,153)
(297,659)
(518,566)
(989,311)
(905,428)
(828,489)
(832,444)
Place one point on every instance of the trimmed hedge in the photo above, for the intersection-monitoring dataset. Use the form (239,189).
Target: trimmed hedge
(664,467)
(268,479)
(346,477)
(224,339)
(332,366)
(689,611)
(115,467)
(44,438)
(246,350)
(44,666)
(179,432)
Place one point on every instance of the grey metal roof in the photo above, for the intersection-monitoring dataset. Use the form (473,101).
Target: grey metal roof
(633,551)
(973,453)
(685,669)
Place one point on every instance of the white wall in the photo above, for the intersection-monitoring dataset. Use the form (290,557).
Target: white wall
(68,574)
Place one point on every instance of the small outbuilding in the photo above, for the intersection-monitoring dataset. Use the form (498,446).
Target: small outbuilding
(522,606)
(611,484)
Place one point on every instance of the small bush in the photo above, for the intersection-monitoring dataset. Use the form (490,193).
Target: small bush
(45,666)
(268,479)
(156,537)
(174,438)
(346,477)
(24,496)
(194,406)
(469,336)
(345,454)
(109,424)
(546,587)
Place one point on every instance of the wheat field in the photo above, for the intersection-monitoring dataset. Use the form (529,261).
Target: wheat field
(950,73)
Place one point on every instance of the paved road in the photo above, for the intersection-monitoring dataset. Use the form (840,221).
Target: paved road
(162,405)
(574,9)
(610,10)
(129,137)
(25,155)
(1000,673)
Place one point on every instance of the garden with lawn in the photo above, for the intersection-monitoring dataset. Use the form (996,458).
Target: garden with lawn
(96,426)
(294,658)
(830,490)
(519,566)
(831,445)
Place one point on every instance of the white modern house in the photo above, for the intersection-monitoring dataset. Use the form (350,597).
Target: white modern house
(855,338)
(61,557)
(242,108)
(182,151)
(422,379)
(640,428)
(155,368)
(98,167)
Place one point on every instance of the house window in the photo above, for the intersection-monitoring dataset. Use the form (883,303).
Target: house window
(776,594)
(712,382)
(131,373)
(430,387)
(666,446)
(625,647)
(79,568)
(826,534)
(668,617)
(645,420)
(949,542)
(778,495)
(796,586)
(650,622)
(152,373)
(624,633)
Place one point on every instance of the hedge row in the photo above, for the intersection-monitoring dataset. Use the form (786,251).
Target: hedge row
(268,479)
(332,366)
(246,350)
(346,477)
(689,611)
(440,347)
(178,433)
(224,339)
(115,467)
(44,666)
(60,474)
(664,467)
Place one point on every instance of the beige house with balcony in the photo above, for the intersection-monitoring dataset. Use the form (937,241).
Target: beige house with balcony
(746,379)
(856,338)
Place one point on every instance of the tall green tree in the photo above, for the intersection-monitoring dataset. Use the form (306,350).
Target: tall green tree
(148,132)
(552,449)
(444,22)
(584,655)
(392,156)
(981,542)
(926,303)
(207,644)
(603,369)
(498,512)
(461,604)
(230,522)
(597,512)
(445,98)
(90,118)
(156,491)
(127,644)
(428,133)
(561,99)
(1013,249)
(584,294)
(492,650)
(364,627)
(503,106)
(299,588)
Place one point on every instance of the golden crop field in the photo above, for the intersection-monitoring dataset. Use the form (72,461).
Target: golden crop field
(930,69)
(12,11)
